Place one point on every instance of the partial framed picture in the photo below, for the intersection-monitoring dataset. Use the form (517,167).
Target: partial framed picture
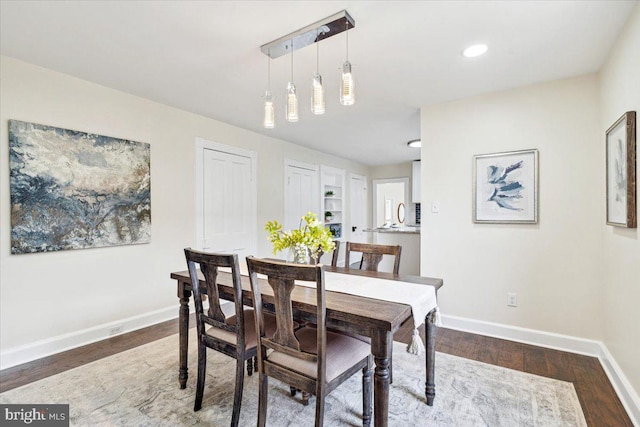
(621,172)
(505,187)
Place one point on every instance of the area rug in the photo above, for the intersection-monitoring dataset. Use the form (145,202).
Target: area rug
(139,387)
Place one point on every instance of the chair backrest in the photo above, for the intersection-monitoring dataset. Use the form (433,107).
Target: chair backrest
(336,252)
(372,255)
(282,277)
(208,264)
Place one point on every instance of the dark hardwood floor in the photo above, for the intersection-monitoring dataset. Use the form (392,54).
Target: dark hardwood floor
(599,401)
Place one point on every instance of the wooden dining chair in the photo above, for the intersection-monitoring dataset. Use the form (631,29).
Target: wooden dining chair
(233,335)
(372,255)
(336,253)
(313,360)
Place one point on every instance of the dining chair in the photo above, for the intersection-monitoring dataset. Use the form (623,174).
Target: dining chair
(336,252)
(313,360)
(372,255)
(233,335)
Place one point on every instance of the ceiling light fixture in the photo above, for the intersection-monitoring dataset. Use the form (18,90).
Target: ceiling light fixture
(475,50)
(292,97)
(415,143)
(269,112)
(314,33)
(317,94)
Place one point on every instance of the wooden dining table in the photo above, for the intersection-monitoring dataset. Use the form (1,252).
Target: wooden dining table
(376,319)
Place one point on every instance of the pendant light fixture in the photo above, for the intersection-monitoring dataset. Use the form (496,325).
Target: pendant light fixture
(269,112)
(317,97)
(314,33)
(292,97)
(347,96)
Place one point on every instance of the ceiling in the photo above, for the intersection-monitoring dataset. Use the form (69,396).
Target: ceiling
(204,57)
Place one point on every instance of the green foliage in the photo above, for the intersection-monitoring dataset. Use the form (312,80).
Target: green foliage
(310,239)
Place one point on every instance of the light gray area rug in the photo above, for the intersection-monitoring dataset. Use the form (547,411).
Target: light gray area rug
(139,388)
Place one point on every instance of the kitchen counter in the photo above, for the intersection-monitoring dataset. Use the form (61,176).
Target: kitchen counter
(403,230)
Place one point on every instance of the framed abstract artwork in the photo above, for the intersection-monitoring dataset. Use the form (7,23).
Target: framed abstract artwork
(621,171)
(76,190)
(505,187)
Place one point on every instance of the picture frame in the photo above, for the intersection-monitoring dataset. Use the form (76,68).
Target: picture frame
(621,171)
(505,187)
(76,190)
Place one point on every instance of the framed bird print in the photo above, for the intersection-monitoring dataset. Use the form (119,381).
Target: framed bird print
(621,172)
(505,187)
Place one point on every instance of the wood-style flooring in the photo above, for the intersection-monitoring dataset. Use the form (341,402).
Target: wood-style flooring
(599,401)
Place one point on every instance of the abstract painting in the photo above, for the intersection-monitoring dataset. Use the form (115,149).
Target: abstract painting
(621,172)
(76,190)
(506,187)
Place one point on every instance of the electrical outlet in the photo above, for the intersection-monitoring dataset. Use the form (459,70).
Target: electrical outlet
(512,299)
(435,207)
(116,330)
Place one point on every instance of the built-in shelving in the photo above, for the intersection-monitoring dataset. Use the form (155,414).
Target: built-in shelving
(333,204)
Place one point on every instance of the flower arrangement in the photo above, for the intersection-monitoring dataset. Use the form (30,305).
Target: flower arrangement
(310,240)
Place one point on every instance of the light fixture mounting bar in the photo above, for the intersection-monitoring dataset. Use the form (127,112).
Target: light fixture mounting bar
(325,28)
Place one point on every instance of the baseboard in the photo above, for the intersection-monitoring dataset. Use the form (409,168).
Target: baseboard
(39,349)
(629,398)
(623,388)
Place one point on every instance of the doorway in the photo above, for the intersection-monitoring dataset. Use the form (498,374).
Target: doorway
(390,196)
(226,198)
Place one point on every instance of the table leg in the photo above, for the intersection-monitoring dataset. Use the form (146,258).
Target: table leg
(430,332)
(183,332)
(381,347)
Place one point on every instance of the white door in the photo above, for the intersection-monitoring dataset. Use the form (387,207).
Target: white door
(358,207)
(301,193)
(358,212)
(226,190)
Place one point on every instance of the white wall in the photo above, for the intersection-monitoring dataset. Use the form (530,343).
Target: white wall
(620,92)
(52,294)
(553,266)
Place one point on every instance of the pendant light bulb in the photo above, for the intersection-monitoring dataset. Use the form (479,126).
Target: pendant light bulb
(292,103)
(292,97)
(347,96)
(269,112)
(317,99)
(346,90)
(317,91)
(269,121)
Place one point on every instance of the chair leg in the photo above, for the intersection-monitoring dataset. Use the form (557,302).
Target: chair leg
(237,397)
(249,367)
(263,389)
(367,393)
(320,408)
(202,370)
(305,398)
(255,363)
(391,369)
(293,390)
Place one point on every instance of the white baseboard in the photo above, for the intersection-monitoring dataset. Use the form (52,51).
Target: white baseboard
(26,353)
(623,388)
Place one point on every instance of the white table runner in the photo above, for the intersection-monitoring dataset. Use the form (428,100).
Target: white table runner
(421,298)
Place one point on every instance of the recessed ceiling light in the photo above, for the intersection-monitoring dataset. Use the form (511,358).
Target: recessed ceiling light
(415,143)
(475,50)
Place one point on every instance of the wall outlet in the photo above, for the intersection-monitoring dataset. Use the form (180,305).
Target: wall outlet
(115,330)
(512,299)
(435,207)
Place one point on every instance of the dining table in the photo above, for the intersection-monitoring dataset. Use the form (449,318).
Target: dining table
(373,318)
